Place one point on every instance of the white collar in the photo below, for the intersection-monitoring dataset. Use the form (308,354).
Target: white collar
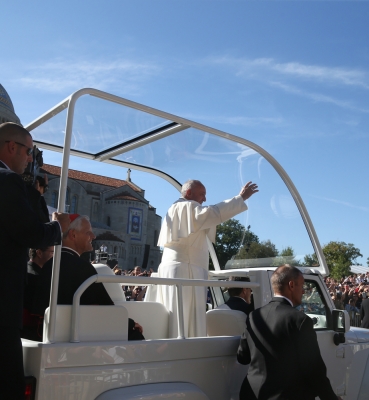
(279,295)
(65,247)
(5,165)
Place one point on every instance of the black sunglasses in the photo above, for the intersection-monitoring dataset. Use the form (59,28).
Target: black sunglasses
(29,149)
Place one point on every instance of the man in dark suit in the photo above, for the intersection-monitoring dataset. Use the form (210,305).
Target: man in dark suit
(32,324)
(74,270)
(281,347)
(364,311)
(20,230)
(240,299)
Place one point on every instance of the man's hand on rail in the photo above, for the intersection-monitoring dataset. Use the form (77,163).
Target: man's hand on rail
(63,220)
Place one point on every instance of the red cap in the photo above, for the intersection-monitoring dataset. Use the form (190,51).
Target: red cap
(72,217)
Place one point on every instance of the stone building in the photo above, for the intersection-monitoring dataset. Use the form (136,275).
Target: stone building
(7,113)
(121,217)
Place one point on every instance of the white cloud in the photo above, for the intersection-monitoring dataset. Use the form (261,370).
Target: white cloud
(318,97)
(64,75)
(344,203)
(257,68)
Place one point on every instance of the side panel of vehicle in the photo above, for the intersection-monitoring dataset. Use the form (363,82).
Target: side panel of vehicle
(156,391)
(85,370)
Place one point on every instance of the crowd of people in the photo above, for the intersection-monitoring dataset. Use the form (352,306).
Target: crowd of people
(350,294)
(133,293)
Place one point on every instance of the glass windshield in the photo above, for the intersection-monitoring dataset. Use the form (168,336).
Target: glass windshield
(271,232)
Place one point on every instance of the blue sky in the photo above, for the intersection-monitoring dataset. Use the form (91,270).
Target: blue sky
(291,76)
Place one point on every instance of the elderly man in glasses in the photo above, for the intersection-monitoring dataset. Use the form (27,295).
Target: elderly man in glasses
(20,229)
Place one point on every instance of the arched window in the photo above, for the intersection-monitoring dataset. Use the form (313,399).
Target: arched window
(73,206)
(54,200)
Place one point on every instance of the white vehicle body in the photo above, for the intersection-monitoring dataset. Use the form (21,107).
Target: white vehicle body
(86,355)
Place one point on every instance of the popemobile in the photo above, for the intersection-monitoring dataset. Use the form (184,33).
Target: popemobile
(85,353)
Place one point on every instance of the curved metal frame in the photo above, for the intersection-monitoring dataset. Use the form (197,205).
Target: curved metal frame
(70,102)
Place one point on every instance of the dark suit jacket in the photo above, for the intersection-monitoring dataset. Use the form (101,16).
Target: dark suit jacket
(364,313)
(281,347)
(73,272)
(20,229)
(238,304)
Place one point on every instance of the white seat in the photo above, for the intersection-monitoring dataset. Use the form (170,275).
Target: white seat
(95,323)
(114,290)
(223,322)
(152,316)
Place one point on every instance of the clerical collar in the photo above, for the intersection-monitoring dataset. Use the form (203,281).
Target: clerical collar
(68,250)
(278,295)
(5,165)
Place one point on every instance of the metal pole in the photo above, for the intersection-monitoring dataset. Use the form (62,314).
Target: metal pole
(61,205)
(181,334)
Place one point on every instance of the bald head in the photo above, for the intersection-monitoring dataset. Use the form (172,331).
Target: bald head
(288,281)
(194,190)
(12,131)
(15,144)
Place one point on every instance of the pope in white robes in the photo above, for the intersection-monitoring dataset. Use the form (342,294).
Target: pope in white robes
(183,237)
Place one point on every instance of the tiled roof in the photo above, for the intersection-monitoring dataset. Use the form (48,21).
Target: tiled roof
(123,196)
(109,236)
(87,177)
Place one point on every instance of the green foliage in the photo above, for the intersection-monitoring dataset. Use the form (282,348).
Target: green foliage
(311,260)
(264,249)
(339,256)
(286,256)
(228,240)
(232,240)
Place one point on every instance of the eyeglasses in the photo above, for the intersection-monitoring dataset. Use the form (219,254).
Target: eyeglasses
(29,149)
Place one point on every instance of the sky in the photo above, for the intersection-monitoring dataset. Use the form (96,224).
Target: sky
(291,76)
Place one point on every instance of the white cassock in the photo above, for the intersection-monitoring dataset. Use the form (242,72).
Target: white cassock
(183,237)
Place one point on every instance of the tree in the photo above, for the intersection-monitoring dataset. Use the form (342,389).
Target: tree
(264,249)
(286,256)
(228,241)
(311,260)
(339,256)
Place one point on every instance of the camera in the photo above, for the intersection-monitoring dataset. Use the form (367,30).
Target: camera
(33,167)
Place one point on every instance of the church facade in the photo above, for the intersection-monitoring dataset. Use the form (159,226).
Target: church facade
(122,219)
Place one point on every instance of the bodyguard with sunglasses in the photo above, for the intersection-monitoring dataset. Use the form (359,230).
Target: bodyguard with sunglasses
(20,229)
